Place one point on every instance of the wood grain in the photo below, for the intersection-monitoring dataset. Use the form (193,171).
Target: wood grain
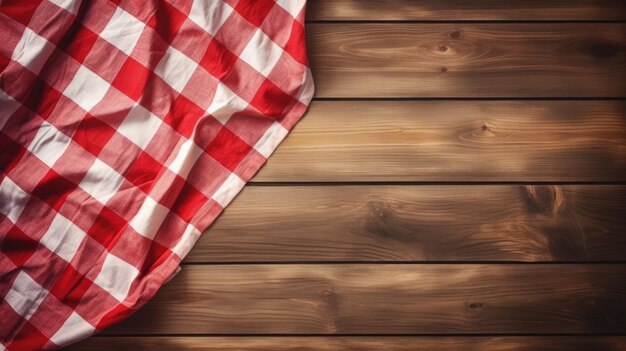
(570,343)
(467,60)
(438,305)
(387,299)
(419,223)
(451,10)
(454,141)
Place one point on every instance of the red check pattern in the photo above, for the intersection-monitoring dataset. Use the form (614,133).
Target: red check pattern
(125,129)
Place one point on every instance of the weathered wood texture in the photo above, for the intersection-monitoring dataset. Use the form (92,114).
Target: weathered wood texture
(453,10)
(492,119)
(454,141)
(569,343)
(468,60)
(387,299)
(419,223)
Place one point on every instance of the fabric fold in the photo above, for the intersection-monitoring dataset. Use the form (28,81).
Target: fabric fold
(125,129)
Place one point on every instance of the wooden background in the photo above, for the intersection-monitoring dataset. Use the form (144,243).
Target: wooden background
(459,183)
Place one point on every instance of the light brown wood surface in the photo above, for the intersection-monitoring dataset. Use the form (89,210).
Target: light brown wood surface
(419,223)
(459,183)
(462,10)
(438,141)
(386,299)
(309,343)
(468,60)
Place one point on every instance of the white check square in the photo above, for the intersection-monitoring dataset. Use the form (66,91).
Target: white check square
(123,31)
(307,89)
(25,295)
(294,7)
(175,68)
(184,245)
(139,126)
(116,277)
(228,190)
(8,106)
(68,5)
(74,329)
(49,144)
(32,51)
(63,237)
(86,88)
(101,181)
(261,53)
(149,218)
(185,159)
(13,199)
(210,15)
(270,139)
(225,103)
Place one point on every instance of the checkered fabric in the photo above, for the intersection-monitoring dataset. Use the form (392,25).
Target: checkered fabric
(125,128)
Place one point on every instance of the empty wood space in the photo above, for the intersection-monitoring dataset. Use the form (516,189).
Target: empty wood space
(436,141)
(459,183)
(532,223)
(387,299)
(468,60)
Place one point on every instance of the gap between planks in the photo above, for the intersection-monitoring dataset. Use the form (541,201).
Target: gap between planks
(363,343)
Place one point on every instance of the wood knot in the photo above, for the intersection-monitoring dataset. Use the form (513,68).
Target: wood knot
(443,48)
(329,301)
(443,69)
(330,298)
(456,34)
(384,222)
(475,305)
(486,129)
(544,198)
(379,210)
(599,49)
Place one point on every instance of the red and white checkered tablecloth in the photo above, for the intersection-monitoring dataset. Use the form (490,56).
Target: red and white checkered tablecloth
(125,128)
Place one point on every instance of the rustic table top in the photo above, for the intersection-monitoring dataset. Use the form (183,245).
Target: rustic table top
(459,182)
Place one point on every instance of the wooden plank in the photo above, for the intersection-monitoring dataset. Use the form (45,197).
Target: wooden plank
(452,10)
(454,141)
(570,343)
(419,223)
(387,299)
(467,60)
